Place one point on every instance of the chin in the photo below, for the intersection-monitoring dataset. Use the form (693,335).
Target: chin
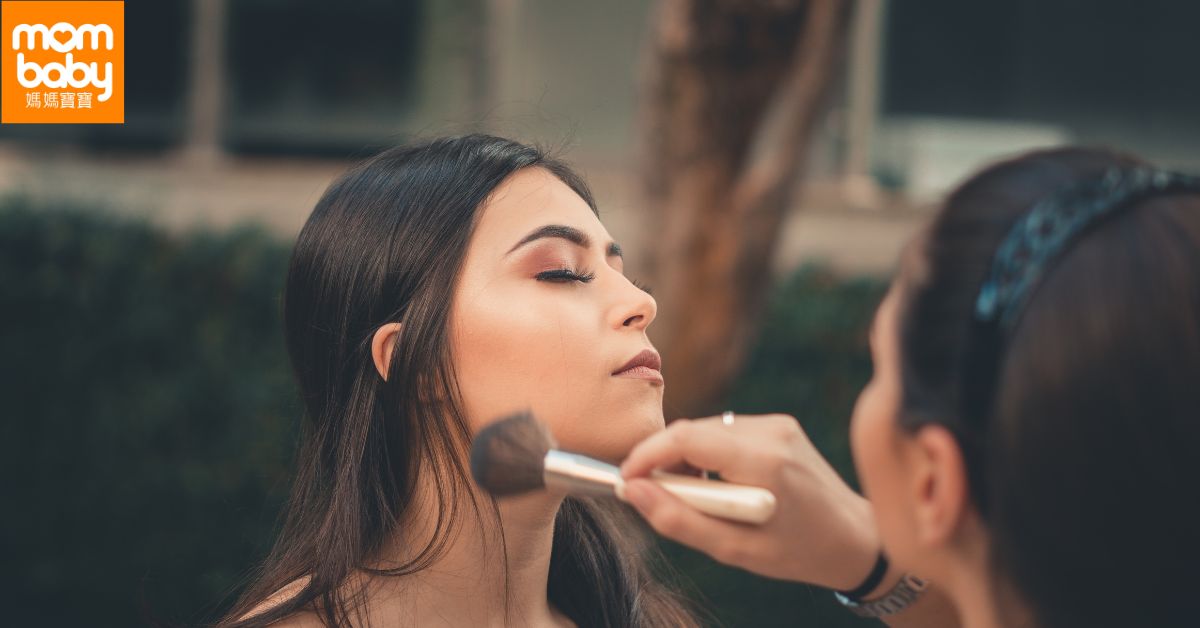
(612,440)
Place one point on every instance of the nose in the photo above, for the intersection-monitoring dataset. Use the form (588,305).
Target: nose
(634,308)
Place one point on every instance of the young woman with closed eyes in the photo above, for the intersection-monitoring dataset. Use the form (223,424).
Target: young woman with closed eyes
(434,288)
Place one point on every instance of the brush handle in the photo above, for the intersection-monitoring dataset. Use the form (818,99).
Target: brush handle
(736,502)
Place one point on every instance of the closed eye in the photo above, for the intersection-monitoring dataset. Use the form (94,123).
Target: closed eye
(563,275)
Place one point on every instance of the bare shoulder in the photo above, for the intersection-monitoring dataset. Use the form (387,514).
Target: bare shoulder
(301,619)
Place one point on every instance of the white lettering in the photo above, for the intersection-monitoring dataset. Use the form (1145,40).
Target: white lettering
(66,74)
(30,31)
(50,36)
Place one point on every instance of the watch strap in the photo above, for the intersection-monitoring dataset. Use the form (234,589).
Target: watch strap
(900,597)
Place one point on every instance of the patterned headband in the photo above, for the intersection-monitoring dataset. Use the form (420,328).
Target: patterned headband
(1050,225)
(1024,255)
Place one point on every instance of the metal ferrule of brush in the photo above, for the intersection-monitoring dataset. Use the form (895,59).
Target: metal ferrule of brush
(580,474)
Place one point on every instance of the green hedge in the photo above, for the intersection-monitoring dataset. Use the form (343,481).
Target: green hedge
(149,417)
(149,414)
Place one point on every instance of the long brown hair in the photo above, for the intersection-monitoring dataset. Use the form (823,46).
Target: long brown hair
(385,243)
(1080,427)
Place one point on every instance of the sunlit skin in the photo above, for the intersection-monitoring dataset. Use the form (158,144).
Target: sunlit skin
(523,338)
(526,335)
(543,316)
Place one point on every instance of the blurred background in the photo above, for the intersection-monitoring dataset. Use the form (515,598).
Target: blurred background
(149,410)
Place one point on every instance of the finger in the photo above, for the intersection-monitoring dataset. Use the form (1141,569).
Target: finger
(674,519)
(705,443)
(750,423)
(695,443)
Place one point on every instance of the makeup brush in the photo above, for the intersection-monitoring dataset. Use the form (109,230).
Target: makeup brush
(517,454)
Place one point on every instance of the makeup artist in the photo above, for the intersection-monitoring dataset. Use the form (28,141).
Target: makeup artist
(1029,442)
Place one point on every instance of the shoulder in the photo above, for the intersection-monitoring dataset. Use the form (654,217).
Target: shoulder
(301,619)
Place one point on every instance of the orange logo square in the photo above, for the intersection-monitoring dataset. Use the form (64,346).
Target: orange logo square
(62,62)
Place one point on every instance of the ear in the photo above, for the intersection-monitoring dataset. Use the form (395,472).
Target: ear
(383,344)
(940,493)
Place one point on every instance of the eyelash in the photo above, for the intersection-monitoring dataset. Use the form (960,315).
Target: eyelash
(566,274)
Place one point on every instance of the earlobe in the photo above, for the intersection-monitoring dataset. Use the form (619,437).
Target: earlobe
(383,344)
(941,494)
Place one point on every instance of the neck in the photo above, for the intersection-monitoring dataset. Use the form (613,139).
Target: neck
(485,567)
(977,605)
(982,600)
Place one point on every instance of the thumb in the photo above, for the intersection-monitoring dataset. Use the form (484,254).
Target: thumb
(641,494)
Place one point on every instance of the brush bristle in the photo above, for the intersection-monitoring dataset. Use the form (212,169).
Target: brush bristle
(507,457)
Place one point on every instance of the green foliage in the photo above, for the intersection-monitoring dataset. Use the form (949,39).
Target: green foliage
(150,417)
(149,412)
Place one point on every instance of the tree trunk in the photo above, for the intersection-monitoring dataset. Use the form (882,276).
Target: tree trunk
(206,97)
(732,91)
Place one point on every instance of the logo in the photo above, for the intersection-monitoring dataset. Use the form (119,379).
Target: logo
(62,62)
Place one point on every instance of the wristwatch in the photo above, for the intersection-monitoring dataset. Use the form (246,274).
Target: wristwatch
(906,591)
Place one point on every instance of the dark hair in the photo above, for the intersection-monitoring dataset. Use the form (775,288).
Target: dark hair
(385,243)
(1084,462)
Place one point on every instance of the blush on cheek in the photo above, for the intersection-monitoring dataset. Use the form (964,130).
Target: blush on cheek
(858,448)
(498,359)
(871,433)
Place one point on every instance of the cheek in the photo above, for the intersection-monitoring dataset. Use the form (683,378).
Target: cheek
(509,359)
(868,429)
(880,472)
(554,359)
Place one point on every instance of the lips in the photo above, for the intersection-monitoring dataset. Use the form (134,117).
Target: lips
(646,362)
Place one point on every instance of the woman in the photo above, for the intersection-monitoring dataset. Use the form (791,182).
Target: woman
(1030,438)
(434,288)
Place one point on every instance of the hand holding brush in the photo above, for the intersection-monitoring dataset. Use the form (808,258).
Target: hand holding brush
(517,454)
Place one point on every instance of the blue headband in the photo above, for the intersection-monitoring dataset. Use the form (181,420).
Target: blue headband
(1051,224)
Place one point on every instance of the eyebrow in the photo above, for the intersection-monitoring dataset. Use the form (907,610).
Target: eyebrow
(571,234)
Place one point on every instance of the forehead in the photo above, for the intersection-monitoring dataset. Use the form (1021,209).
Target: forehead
(885,324)
(913,265)
(530,198)
(912,271)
